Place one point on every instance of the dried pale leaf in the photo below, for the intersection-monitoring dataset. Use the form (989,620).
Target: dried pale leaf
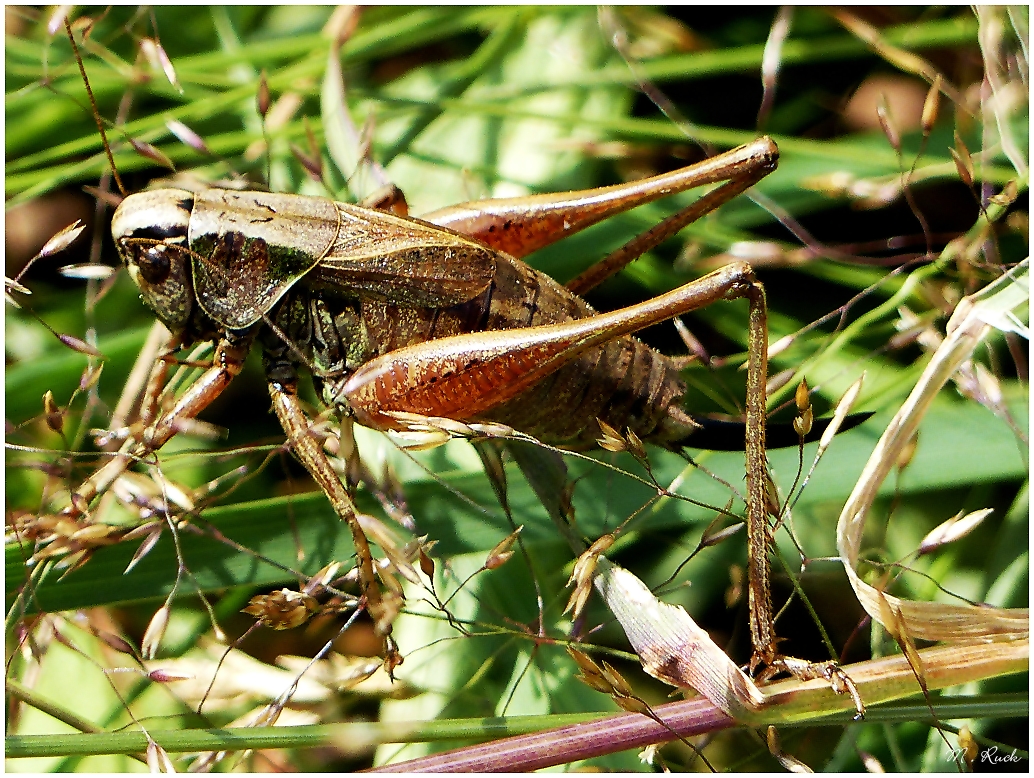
(833,184)
(62,239)
(81,346)
(197,428)
(771,57)
(595,681)
(956,527)
(68,564)
(88,272)
(187,136)
(387,610)
(581,575)
(343,673)
(492,430)
(876,194)
(934,621)
(342,136)
(906,337)
(894,623)
(131,486)
(417,422)
(143,530)
(360,671)
(390,543)
(696,348)
(671,645)
(157,156)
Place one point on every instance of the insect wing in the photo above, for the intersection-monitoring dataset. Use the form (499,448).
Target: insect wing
(404,261)
(249,248)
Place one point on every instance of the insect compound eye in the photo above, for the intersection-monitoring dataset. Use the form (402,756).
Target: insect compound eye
(153,264)
(151,232)
(149,220)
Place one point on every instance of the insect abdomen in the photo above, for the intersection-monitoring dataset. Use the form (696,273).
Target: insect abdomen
(624,382)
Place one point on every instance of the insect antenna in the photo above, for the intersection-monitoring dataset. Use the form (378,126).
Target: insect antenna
(93,104)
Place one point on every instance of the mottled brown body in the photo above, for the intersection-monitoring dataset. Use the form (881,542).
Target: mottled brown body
(434,317)
(623,382)
(401,315)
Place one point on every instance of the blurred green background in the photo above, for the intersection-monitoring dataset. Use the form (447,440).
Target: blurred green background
(466,103)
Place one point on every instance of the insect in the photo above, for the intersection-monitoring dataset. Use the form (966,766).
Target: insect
(421,317)
(402,320)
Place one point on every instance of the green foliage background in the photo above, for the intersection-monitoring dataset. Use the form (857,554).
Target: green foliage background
(467,103)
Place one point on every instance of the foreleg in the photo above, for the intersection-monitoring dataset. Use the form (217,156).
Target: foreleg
(228,361)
